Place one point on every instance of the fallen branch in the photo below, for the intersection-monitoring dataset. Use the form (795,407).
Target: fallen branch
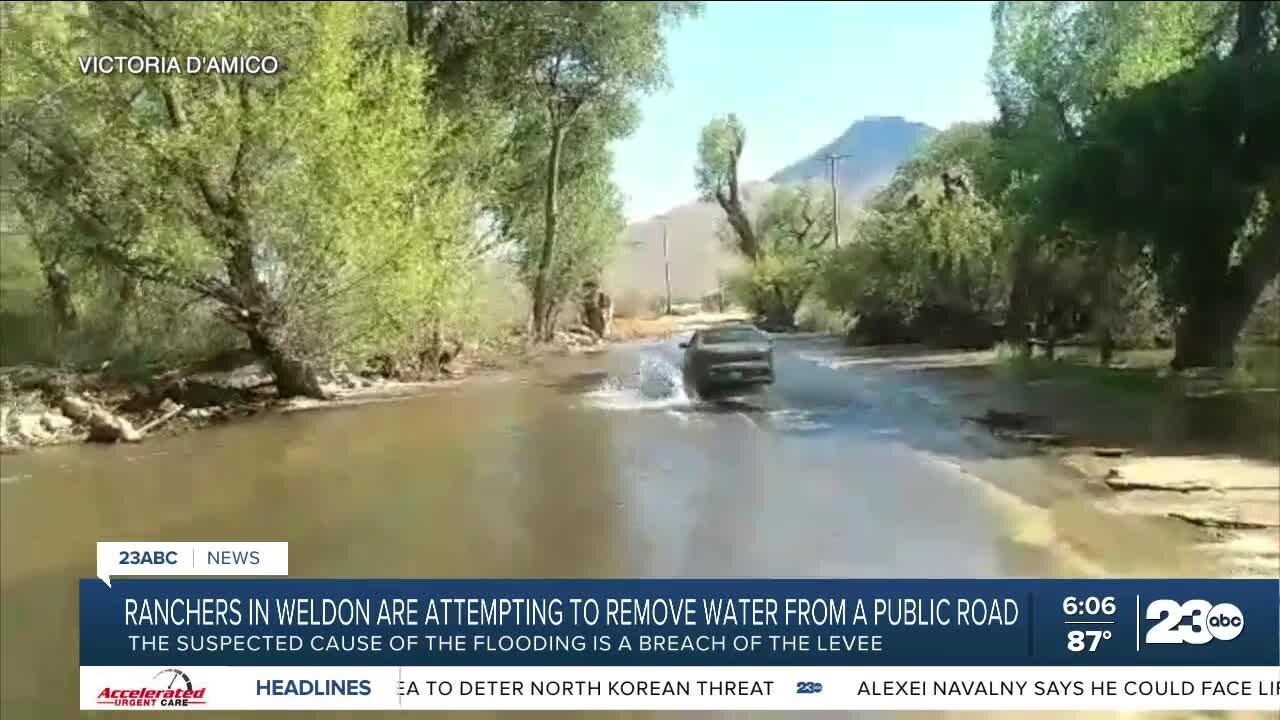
(1219,523)
(1121,485)
(1009,420)
(161,420)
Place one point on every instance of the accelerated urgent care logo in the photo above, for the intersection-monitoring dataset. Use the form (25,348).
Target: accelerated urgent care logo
(169,688)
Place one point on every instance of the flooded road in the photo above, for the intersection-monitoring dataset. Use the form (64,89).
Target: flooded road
(589,466)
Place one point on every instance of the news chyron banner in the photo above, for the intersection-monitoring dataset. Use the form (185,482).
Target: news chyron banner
(278,643)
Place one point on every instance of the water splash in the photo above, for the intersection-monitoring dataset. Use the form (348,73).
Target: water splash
(797,420)
(656,385)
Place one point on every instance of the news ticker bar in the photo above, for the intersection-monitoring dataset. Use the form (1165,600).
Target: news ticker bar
(672,688)
(680,623)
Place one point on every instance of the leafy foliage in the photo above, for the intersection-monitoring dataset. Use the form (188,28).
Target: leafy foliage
(576,60)
(795,230)
(1097,104)
(720,147)
(303,205)
(346,207)
(941,261)
(1210,221)
(930,257)
(590,214)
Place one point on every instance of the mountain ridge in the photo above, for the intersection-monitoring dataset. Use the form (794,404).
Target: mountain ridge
(873,148)
(876,146)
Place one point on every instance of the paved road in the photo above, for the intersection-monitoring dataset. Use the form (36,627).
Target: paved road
(570,469)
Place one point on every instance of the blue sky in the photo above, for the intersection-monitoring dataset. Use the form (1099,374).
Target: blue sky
(798,74)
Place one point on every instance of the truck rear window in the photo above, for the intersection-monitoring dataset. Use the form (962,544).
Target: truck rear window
(731,335)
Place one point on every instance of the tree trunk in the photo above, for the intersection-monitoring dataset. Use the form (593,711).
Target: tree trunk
(541,301)
(261,318)
(780,315)
(1207,332)
(1021,300)
(553,317)
(65,317)
(1250,28)
(1206,335)
(1106,347)
(1200,342)
(295,376)
(415,21)
(747,242)
(1105,299)
(126,295)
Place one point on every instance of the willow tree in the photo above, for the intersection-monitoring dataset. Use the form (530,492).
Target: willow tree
(720,147)
(1053,66)
(590,219)
(927,262)
(1160,143)
(297,203)
(793,231)
(1190,167)
(575,59)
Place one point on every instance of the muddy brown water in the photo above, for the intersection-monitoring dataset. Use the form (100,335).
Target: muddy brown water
(587,466)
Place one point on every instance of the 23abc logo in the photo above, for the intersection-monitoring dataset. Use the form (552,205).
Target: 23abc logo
(1194,622)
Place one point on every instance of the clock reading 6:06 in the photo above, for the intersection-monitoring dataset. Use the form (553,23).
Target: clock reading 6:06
(1089,606)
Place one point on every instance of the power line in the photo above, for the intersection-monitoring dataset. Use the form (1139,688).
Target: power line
(666,262)
(833,165)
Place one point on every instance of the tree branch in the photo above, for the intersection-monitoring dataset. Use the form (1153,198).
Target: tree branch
(1261,262)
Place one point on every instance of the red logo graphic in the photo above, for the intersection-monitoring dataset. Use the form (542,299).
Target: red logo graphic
(174,690)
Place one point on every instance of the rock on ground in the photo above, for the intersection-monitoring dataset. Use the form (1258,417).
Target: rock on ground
(29,428)
(105,427)
(76,408)
(54,422)
(201,413)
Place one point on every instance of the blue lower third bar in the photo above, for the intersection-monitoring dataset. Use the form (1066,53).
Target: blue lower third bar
(293,622)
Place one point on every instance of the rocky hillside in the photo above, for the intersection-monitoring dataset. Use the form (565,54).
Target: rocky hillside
(876,146)
(699,259)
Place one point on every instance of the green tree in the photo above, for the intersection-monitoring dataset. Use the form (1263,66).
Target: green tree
(928,259)
(591,219)
(305,206)
(1212,219)
(1053,65)
(795,227)
(965,151)
(25,176)
(1073,82)
(570,60)
(720,148)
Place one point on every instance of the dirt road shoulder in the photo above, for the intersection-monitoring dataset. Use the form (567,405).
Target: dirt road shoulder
(1194,455)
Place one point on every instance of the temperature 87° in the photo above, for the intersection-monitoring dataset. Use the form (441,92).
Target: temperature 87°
(1086,640)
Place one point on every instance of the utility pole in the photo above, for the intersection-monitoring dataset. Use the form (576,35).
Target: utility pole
(833,162)
(666,262)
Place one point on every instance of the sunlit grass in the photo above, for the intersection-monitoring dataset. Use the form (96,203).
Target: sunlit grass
(1139,371)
